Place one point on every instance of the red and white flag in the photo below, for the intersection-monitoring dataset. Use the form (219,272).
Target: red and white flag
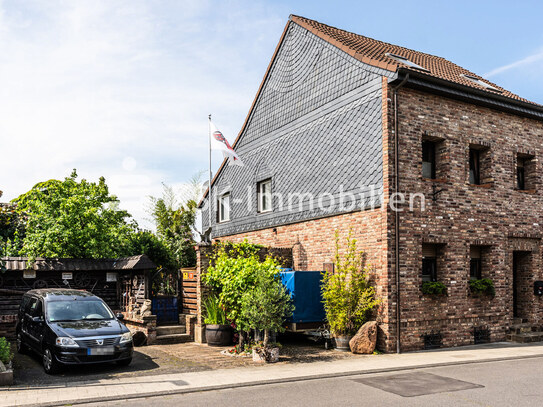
(219,142)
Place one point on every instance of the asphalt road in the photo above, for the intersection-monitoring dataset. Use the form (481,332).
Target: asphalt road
(507,383)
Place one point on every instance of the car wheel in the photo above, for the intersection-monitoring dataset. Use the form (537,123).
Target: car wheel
(50,364)
(21,347)
(124,362)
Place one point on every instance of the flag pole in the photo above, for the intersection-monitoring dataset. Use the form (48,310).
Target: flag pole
(209,195)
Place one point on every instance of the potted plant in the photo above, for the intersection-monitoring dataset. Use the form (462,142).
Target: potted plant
(483,286)
(265,308)
(6,371)
(434,288)
(347,295)
(218,330)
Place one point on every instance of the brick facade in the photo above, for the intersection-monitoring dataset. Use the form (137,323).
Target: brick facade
(344,134)
(494,216)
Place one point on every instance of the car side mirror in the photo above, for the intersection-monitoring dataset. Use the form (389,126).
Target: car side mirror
(120,316)
(37,319)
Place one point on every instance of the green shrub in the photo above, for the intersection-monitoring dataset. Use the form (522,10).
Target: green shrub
(5,351)
(482,286)
(214,312)
(266,306)
(234,271)
(347,294)
(434,288)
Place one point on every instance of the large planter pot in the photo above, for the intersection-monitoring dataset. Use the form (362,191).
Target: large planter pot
(218,335)
(342,342)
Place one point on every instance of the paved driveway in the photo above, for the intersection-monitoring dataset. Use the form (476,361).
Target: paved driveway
(165,359)
(149,360)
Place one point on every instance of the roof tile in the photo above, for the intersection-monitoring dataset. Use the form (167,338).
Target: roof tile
(372,52)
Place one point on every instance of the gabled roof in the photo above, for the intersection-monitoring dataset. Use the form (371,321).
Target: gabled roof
(373,52)
(140,262)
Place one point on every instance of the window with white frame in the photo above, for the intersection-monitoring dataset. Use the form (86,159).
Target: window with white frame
(264,196)
(224,207)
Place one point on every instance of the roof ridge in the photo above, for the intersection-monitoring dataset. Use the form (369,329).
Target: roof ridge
(373,52)
(370,38)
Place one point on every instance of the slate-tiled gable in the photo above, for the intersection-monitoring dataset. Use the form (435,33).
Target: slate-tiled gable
(315,126)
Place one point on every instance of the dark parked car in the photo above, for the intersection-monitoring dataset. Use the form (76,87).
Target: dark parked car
(71,327)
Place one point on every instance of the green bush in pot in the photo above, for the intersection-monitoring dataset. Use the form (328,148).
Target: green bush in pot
(347,294)
(265,308)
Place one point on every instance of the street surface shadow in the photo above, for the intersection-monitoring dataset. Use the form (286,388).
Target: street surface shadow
(29,371)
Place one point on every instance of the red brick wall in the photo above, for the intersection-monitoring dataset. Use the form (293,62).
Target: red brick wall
(313,243)
(494,214)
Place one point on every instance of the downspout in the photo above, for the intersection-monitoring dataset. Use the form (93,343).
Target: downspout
(397,213)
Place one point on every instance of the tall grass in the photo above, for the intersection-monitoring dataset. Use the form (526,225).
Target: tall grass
(214,312)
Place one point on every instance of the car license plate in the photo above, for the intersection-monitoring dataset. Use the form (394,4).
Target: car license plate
(106,350)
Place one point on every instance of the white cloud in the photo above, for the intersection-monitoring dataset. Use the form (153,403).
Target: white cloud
(533,59)
(122,89)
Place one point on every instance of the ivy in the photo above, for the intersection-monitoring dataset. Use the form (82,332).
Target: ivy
(234,271)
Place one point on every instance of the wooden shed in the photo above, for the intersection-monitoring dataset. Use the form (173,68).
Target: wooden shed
(122,283)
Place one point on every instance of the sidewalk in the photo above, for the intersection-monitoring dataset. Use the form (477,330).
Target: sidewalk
(145,386)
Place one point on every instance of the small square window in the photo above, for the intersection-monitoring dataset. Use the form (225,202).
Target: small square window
(525,172)
(475,263)
(474,167)
(264,196)
(428,159)
(429,262)
(224,207)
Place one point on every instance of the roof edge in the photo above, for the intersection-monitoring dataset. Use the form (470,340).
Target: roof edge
(414,75)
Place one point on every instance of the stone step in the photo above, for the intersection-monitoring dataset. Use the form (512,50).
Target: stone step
(526,337)
(170,330)
(525,327)
(171,339)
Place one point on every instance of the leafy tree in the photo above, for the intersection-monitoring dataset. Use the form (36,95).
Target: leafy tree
(12,229)
(267,305)
(73,219)
(174,220)
(347,295)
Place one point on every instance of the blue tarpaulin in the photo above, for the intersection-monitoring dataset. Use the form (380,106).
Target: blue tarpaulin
(304,288)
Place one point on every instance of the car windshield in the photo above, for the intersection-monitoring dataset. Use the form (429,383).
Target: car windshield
(77,311)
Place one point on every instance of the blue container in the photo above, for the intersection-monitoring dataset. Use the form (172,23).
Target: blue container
(304,288)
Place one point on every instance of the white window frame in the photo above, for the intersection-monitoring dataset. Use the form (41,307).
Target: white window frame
(224,207)
(260,196)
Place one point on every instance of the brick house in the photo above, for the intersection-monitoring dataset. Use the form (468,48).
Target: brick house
(333,112)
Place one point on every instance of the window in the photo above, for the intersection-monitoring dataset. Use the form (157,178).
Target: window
(479,82)
(264,196)
(475,263)
(474,167)
(224,208)
(429,262)
(405,61)
(428,159)
(525,172)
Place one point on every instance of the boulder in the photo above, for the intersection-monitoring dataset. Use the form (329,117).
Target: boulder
(365,339)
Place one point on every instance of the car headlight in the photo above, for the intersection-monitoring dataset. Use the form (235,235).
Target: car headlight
(67,342)
(126,337)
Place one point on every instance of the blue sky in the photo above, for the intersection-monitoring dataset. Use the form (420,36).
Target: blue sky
(123,88)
